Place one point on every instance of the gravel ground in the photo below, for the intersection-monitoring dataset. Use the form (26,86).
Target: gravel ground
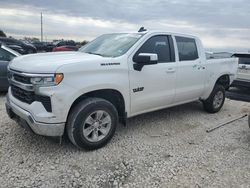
(168,148)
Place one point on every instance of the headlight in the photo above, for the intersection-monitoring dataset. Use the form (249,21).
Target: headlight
(47,80)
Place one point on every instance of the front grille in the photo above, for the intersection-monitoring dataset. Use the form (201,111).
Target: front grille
(22,79)
(23,95)
(29,97)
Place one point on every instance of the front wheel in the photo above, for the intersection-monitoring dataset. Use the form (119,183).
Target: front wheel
(216,99)
(92,123)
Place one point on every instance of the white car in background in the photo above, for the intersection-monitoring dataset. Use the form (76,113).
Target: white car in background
(243,73)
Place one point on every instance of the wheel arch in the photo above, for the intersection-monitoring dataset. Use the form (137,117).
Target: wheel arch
(224,80)
(112,95)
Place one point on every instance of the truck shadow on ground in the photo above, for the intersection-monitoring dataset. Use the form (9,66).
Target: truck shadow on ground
(3,94)
(240,94)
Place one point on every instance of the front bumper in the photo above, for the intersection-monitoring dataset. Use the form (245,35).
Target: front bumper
(25,119)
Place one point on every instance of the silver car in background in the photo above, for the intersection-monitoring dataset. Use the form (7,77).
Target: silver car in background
(243,73)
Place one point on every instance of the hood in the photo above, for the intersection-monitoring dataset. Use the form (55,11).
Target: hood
(49,62)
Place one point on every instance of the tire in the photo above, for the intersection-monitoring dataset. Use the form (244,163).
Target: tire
(88,131)
(216,99)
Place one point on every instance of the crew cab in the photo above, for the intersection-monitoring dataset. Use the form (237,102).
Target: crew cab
(116,76)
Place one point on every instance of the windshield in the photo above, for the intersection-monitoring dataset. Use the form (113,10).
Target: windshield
(111,45)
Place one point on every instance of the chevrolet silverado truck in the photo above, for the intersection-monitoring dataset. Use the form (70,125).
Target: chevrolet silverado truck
(85,94)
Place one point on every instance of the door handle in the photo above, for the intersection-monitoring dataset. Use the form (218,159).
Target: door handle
(170,70)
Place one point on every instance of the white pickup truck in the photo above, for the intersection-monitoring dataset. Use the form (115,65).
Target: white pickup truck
(87,93)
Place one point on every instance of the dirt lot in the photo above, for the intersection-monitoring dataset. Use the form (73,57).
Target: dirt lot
(168,148)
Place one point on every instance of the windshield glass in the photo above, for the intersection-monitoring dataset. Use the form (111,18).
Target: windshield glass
(111,45)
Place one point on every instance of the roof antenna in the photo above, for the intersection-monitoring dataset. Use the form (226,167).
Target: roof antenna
(142,29)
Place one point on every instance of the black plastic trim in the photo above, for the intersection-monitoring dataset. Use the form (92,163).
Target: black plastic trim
(29,97)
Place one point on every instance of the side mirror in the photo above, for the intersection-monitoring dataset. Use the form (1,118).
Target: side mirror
(145,59)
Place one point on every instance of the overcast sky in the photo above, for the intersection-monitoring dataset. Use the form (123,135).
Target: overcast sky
(222,24)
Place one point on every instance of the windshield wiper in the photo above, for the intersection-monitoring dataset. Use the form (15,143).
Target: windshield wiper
(94,53)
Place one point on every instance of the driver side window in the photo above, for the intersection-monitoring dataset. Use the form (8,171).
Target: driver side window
(5,55)
(157,45)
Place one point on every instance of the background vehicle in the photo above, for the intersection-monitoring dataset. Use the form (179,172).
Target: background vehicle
(27,47)
(243,74)
(218,55)
(65,43)
(6,55)
(114,77)
(16,48)
(40,46)
(43,46)
(49,46)
(65,48)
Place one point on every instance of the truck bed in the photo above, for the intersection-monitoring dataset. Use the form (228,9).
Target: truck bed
(217,68)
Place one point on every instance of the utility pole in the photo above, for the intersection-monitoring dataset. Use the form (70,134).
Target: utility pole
(41,27)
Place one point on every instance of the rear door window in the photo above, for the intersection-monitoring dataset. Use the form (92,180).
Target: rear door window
(187,48)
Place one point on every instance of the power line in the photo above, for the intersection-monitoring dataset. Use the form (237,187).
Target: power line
(41,27)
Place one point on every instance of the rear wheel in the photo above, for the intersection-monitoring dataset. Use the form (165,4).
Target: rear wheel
(92,123)
(216,99)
